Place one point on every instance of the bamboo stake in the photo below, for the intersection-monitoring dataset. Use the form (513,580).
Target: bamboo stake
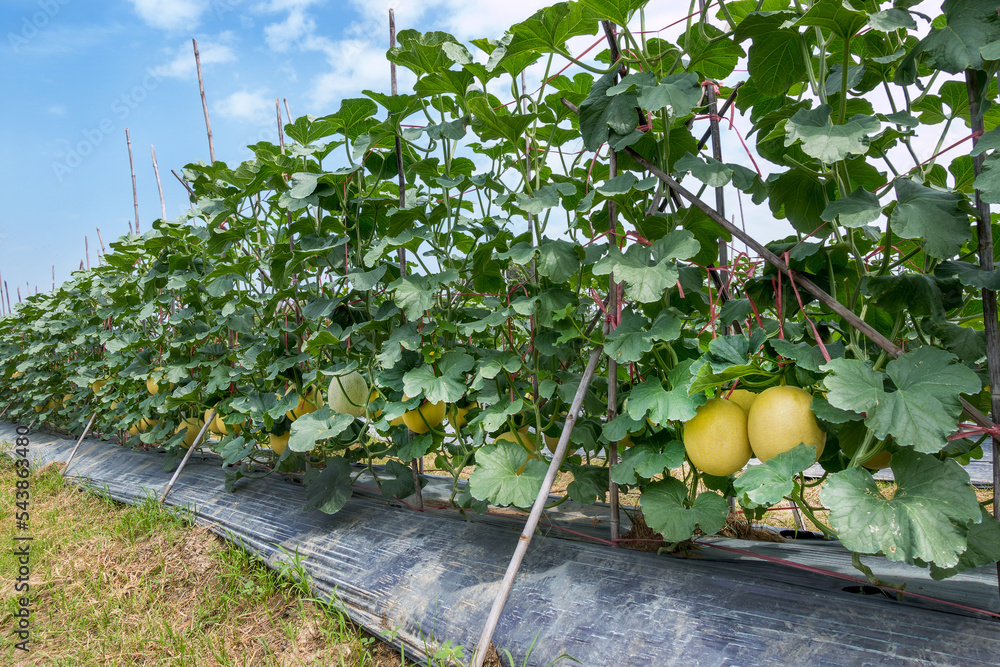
(159,184)
(187,455)
(86,249)
(131,166)
(482,648)
(53,277)
(281,132)
(104,250)
(18,293)
(2,310)
(82,436)
(613,498)
(991,324)
(182,182)
(415,464)
(288,112)
(722,112)
(7,290)
(204,103)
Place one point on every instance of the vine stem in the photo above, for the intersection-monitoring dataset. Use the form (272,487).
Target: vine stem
(486,638)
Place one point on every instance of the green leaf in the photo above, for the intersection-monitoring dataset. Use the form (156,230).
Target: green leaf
(664,508)
(806,355)
(775,59)
(926,519)
(766,484)
(988,180)
(941,219)
(365,280)
(650,398)
(918,293)
(616,11)
(413,295)
(799,197)
(488,124)
(892,19)
(496,478)
(646,280)
(969,274)
(829,143)
(589,485)
(832,15)
(416,448)
(679,94)
(984,548)
(449,386)
(954,47)
(558,260)
(421,53)
(603,116)
(987,141)
(856,209)
(310,428)
(547,30)
(923,410)
(634,337)
(330,489)
(396,481)
(709,171)
(645,461)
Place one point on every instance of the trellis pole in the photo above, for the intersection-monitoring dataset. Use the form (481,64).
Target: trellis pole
(415,464)
(991,325)
(187,455)
(204,107)
(482,648)
(83,435)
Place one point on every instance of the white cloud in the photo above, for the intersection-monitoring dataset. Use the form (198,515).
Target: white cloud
(171,14)
(182,66)
(245,105)
(58,110)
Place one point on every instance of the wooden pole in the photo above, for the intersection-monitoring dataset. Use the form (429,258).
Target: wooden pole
(281,131)
(288,112)
(415,464)
(2,309)
(991,323)
(7,290)
(204,103)
(86,249)
(82,436)
(182,182)
(159,184)
(131,166)
(53,277)
(101,241)
(18,293)
(187,455)
(482,648)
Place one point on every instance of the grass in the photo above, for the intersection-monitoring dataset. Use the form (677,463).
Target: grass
(117,584)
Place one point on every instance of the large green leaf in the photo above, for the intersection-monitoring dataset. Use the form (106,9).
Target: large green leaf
(709,171)
(775,59)
(421,53)
(634,337)
(646,280)
(834,16)
(547,30)
(447,384)
(645,461)
(829,143)
(941,219)
(604,116)
(969,274)
(489,124)
(923,410)
(926,519)
(679,94)
(650,399)
(856,209)
(919,294)
(329,489)
(664,508)
(616,11)
(969,26)
(766,484)
(496,478)
(984,548)
(988,180)
(558,260)
(309,429)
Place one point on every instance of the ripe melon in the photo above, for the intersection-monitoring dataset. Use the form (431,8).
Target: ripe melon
(781,419)
(715,439)
(193,426)
(427,416)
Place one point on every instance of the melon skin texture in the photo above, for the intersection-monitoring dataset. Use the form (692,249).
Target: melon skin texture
(716,439)
(278,443)
(193,425)
(142,426)
(348,394)
(743,398)
(781,419)
(310,402)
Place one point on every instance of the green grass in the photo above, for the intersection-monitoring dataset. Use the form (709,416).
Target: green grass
(118,584)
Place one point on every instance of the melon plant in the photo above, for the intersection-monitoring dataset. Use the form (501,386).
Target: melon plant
(475,265)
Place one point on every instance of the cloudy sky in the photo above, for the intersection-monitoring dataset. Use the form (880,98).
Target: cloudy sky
(77,73)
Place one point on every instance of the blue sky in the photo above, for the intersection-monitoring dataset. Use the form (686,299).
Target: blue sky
(77,73)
